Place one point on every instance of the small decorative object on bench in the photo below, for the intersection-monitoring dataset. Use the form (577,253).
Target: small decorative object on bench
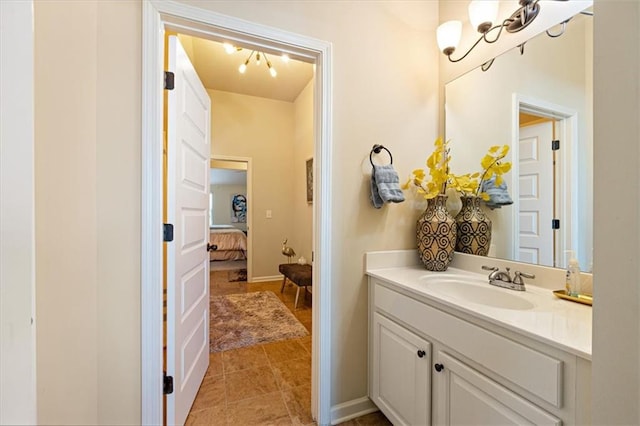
(300,275)
(287,251)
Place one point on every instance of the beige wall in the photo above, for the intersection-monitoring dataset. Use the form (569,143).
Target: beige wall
(303,147)
(262,129)
(616,310)
(66,212)
(87,142)
(118,210)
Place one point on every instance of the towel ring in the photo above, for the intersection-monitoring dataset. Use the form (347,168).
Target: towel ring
(377,149)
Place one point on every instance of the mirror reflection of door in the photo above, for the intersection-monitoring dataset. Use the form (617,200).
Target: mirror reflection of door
(536,207)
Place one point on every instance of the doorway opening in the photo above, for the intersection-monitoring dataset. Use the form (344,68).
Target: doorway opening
(230,212)
(159,17)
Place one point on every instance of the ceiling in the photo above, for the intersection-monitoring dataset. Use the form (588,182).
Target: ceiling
(218,70)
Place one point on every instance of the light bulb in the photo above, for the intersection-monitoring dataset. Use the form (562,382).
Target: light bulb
(272,70)
(482,14)
(228,47)
(243,68)
(448,36)
(285,58)
(258,59)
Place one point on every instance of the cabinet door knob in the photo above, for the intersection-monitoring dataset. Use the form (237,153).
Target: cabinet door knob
(438,367)
(421,353)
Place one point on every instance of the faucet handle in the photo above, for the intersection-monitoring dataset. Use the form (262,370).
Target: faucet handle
(490,268)
(517,279)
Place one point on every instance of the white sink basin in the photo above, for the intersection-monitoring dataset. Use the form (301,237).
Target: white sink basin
(476,290)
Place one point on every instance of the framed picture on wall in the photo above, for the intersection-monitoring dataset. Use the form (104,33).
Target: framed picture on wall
(310,180)
(238,208)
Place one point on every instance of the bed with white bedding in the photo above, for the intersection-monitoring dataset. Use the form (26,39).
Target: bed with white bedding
(231,243)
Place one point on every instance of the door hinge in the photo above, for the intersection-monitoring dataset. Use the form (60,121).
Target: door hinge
(555,224)
(555,145)
(169,80)
(167,232)
(167,384)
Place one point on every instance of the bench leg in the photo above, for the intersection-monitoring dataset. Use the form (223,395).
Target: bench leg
(295,305)
(284,281)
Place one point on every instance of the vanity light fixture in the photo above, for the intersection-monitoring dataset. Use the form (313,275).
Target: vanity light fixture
(259,56)
(482,14)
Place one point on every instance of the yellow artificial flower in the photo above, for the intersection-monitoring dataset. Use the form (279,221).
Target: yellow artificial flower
(438,165)
(467,184)
(492,165)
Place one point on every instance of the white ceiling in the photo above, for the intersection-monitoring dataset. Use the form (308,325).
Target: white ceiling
(218,70)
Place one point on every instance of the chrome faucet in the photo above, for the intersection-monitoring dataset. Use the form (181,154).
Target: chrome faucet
(503,278)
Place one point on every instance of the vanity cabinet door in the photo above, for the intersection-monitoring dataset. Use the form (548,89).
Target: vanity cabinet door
(401,373)
(464,396)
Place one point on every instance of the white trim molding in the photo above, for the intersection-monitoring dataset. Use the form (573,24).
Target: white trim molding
(351,409)
(267,279)
(157,16)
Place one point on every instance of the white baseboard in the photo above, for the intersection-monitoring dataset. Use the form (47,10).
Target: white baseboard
(352,409)
(265,279)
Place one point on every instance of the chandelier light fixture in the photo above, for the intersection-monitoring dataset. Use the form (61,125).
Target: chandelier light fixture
(258,58)
(482,15)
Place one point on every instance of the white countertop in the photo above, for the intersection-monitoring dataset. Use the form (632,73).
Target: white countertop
(548,319)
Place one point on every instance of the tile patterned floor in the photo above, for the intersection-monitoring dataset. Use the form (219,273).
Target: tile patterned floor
(268,384)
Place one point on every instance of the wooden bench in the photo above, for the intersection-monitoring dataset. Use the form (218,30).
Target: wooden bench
(300,275)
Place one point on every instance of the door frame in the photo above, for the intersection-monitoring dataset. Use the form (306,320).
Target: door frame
(158,16)
(249,182)
(566,197)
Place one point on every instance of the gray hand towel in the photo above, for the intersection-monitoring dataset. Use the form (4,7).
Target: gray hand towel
(385,186)
(498,195)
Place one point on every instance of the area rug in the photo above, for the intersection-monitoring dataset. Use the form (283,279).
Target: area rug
(237,275)
(239,320)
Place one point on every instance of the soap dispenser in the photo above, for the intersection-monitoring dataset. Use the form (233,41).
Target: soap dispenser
(573,275)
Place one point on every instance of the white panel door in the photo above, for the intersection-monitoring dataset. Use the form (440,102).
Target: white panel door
(189,143)
(536,194)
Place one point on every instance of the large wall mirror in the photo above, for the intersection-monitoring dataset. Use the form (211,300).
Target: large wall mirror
(527,100)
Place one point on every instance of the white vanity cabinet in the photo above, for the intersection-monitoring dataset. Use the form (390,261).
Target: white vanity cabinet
(466,396)
(430,363)
(401,361)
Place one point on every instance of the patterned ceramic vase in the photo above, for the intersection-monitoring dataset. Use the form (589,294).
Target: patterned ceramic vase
(436,232)
(474,228)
